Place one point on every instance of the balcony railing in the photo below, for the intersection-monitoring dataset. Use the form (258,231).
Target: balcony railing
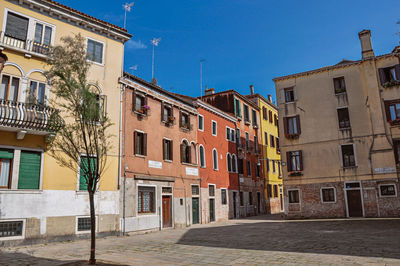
(27,45)
(29,116)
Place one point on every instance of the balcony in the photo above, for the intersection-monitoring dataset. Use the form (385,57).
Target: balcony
(27,46)
(29,118)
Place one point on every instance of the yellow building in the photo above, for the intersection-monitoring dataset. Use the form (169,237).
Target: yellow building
(271,159)
(38,197)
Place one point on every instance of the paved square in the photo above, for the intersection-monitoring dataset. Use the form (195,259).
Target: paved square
(256,241)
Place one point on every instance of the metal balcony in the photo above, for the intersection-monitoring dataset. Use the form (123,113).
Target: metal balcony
(29,118)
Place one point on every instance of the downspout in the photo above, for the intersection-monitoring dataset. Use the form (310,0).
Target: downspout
(122,154)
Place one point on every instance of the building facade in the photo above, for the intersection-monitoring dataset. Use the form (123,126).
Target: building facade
(340,138)
(271,156)
(251,182)
(40,199)
(161,176)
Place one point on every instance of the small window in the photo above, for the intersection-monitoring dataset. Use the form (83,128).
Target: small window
(275,191)
(267,163)
(289,95)
(6,161)
(279,168)
(240,166)
(195,190)
(84,224)
(238,111)
(215,159)
(272,141)
(140,143)
(248,168)
(211,190)
(241,198)
(292,126)
(202,156)
(185,121)
(390,76)
(273,166)
(348,157)
(233,136)
(328,194)
(294,161)
(254,118)
(276,120)
(139,103)
(229,162)
(269,191)
(11,228)
(344,118)
(146,199)
(234,162)
(264,112)
(266,138)
(393,112)
(278,149)
(239,141)
(223,197)
(250,198)
(36,93)
(246,113)
(95,51)
(166,190)
(270,116)
(214,128)
(388,190)
(256,144)
(167,150)
(201,122)
(167,115)
(257,168)
(228,133)
(9,88)
(339,85)
(186,153)
(294,196)
(247,141)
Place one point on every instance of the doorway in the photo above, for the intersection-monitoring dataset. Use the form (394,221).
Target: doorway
(195,210)
(258,202)
(354,199)
(212,210)
(166,211)
(234,205)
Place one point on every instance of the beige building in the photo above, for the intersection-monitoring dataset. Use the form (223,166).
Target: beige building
(340,133)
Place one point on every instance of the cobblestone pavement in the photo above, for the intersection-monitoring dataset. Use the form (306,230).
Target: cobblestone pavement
(257,241)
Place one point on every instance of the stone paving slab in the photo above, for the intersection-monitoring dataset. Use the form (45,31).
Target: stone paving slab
(256,241)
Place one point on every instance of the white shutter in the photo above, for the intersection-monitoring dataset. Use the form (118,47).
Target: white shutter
(355,154)
(295,93)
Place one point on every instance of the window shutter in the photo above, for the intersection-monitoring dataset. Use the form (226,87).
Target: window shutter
(189,121)
(301,160)
(387,111)
(285,126)
(171,150)
(29,170)
(288,161)
(341,156)
(240,109)
(397,68)
(180,118)
(282,95)
(16,26)
(190,152)
(135,142)
(234,107)
(145,144)
(298,124)
(382,76)
(133,101)
(145,103)
(163,148)
(295,93)
(162,112)
(182,152)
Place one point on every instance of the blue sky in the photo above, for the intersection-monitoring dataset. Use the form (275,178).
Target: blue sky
(244,41)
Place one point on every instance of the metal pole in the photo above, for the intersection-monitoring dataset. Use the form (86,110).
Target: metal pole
(152,65)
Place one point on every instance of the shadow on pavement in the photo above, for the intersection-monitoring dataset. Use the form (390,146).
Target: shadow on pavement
(377,238)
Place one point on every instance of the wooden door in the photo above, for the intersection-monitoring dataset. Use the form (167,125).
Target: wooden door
(195,210)
(212,210)
(354,203)
(166,211)
(259,202)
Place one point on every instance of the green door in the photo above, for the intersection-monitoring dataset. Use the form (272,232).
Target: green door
(212,210)
(195,210)
(29,170)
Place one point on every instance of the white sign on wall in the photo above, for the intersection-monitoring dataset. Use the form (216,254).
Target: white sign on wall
(155,164)
(192,171)
(241,180)
(385,170)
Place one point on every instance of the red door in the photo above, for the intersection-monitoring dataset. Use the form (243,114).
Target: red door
(166,211)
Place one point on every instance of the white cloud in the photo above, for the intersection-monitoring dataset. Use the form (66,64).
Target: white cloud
(131,44)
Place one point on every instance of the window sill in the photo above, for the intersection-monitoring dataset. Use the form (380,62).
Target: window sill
(349,167)
(388,196)
(340,93)
(168,161)
(247,122)
(328,202)
(290,102)
(344,128)
(20,191)
(147,214)
(190,164)
(139,113)
(140,155)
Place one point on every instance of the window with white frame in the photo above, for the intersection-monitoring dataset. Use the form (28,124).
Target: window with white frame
(201,122)
(36,93)
(348,155)
(202,157)
(294,196)
(12,229)
(215,159)
(95,50)
(387,190)
(214,128)
(211,190)
(9,89)
(229,162)
(230,134)
(328,194)
(146,200)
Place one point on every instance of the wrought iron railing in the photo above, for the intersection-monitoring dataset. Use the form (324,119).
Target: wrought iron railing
(28,45)
(29,116)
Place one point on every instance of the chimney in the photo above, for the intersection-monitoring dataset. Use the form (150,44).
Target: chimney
(209,91)
(154,81)
(366,46)
(251,89)
(270,98)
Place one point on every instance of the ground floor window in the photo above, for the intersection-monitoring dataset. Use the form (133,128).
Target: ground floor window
(387,190)
(251,198)
(275,191)
(223,197)
(6,158)
(294,196)
(241,198)
(328,194)
(146,199)
(11,228)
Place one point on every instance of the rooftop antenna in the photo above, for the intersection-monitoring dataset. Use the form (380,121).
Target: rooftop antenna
(201,76)
(127,7)
(154,42)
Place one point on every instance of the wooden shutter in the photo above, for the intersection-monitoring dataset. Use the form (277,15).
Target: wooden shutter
(134,142)
(397,68)
(145,144)
(171,151)
(29,170)
(182,152)
(83,180)
(180,118)
(234,106)
(285,125)
(387,111)
(162,112)
(16,26)
(188,122)
(382,75)
(133,100)
(288,161)
(298,124)
(6,154)
(301,160)
(163,148)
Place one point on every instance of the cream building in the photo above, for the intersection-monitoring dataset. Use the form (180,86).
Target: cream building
(340,137)
(39,199)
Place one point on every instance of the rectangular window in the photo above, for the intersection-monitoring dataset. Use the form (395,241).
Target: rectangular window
(146,199)
(348,157)
(292,126)
(166,190)
(9,88)
(328,194)
(42,39)
(95,51)
(273,166)
(214,128)
(240,166)
(254,118)
(264,112)
(279,168)
(294,161)
(211,190)
(339,85)
(270,116)
(257,168)
(167,149)
(140,142)
(6,160)
(266,138)
(11,228)
(275,191)
(195,190)
(223,196)
(228,133)
(278,149)
(289,95)
(241,198)
(246,113)
(29,170)
(36,93)
(255,144)
(269,191)
(16,28)
(184,121)
(272,141)
(248,168)
(139,103)
(396,148)
(267,162)
(87,168)
(233,138)
(393,111)
(84,224)
(250,198)
(238,111)
(294,196)
(276,120)
(344,118)
(239,141)
(167,115)
(247,141)
(387,190)
(389,76)
(201,123)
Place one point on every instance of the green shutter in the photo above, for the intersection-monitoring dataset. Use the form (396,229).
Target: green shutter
(83,184)
(6,154)
(29,170)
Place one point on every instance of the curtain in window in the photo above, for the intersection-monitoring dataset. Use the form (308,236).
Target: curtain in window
(47,36)
(5,172)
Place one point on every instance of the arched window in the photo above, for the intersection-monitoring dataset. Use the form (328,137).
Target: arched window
(185,152)
(229,162)
(202,156)
(193,153)
(215,159)
(234,163)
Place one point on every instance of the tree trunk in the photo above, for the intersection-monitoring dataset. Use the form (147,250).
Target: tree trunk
(92,259)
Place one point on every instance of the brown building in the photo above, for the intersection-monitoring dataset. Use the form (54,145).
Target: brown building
(340,137)
(159,157)
(250,189)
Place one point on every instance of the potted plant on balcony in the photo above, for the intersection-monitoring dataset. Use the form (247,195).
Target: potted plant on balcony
(295,173)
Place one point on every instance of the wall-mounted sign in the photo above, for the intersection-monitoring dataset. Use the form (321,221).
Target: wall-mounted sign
(155,164)
(192,171)
(385,170)
(241,180)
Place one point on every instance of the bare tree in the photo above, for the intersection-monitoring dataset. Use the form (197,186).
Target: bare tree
(83,142)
